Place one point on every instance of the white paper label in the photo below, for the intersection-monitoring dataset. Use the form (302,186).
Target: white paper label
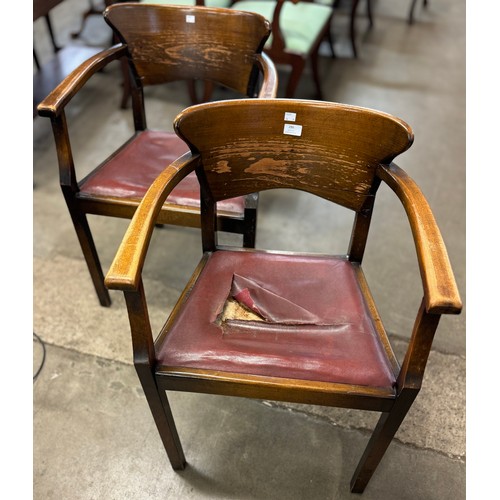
(190,18)
(290,117)
(292,129)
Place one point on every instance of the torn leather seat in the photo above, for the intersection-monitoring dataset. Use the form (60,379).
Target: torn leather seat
(321,329)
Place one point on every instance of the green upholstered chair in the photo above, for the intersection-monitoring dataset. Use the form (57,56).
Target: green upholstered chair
(298,28)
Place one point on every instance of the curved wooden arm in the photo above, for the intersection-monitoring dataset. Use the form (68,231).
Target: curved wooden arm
(440,290)
(269,87)
(125,271)
(55,102)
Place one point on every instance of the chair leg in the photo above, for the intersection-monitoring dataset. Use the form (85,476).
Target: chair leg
(369,12)
(208,90)
(330,40)
(126,93)
(164,420)
(293,81)
(412,10)
(51,33)
(250,228)
(352,28)
(191,85)
(92,11)
(90,253)
(37,62)
(380,440)
(315,72)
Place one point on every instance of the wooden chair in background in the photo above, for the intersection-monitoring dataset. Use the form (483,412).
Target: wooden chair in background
(50,73)
(285,326)
(353,14)
(411,13)
(298,29)
(95,9)
(162,44)
(351,8)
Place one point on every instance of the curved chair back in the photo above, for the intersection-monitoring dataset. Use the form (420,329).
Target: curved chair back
(171,42)
(330,150)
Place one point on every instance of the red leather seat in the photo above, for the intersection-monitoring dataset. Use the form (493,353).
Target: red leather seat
(346,351)
(130,172)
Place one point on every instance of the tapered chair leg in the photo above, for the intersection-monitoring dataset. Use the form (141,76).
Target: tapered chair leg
(380,440)
(91,257)
(164,420)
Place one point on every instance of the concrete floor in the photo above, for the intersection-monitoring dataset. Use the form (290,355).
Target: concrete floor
(93,435)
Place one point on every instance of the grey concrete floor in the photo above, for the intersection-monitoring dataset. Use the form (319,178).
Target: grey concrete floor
(93,435)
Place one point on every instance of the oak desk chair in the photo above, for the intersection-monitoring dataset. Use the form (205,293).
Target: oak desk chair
(284,326)
(161,45)
(298,28)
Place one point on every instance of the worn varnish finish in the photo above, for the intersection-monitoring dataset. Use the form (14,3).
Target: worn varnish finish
(159,45)
(342,153)
(161,54)
(335,162)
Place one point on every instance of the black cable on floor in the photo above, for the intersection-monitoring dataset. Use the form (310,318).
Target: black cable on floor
(36,337)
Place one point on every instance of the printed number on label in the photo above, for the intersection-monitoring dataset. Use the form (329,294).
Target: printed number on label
(290,129)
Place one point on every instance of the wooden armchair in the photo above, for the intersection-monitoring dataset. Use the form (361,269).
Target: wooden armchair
(286,326)
(298,28)
(161,45)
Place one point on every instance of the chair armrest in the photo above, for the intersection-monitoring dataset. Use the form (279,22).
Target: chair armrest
(440,290)
(125,271)
(55,102)
(269,87)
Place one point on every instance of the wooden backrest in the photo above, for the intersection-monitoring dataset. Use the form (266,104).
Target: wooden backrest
(328,149)
(172,42)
